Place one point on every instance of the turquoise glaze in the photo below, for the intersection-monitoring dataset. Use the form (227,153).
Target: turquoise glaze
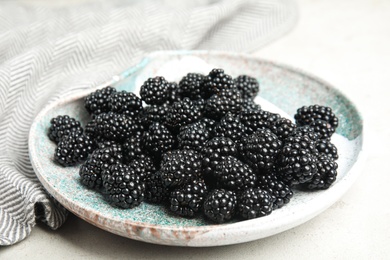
(283,86)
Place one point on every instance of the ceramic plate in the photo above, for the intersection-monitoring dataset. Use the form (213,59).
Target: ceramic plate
(283,90)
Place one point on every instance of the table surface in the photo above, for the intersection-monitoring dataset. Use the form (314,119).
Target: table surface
(346,43)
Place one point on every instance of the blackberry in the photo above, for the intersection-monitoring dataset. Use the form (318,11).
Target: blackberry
(193,136)
(306,115)
(282,127)
(260,150)
(298,160)
(116,127)
(63,125)
(325,146)
(230,127)
(182,113)
(155,91)
(248,86)
(254,203)
(72,149)
(280,192)
(214,151)
(123,187)
(158,140)
(227,100)
(216,81)
(255,120)
(250,104)
(306,130)
(220,205)
(191,86)
(188,200)
(180,167)
(97,102)
(126,103)
(154,113)
(100,159)
(325,176)
(322,128)
(143,166)
(232,174)
(155,191)
(132,148)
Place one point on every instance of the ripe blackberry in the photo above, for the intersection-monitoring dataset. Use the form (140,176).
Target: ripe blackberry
(325,146)
(280,192)
(126,103)
(231,127)
(250,104)
(227,100)
(132,148)
(248,86)
(154,113)
(254,203)
(117,127)
(220,205)
(123,187)
(298,159)
(282,127)
(325,176)
(216,81)
(155,91)
(306,115)
(63,125)
(191,86)
(182,113)
(158,140)
(143,166)
(100,159)
(255,120)
(214,151)
(260,150)
(155,191)
(193,136)
(97,102)
(180,167)
(322,128)
(72,149)
(233,174)
(306,130)
(187,200)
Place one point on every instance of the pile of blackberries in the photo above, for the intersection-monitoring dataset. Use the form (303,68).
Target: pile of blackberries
(201,146)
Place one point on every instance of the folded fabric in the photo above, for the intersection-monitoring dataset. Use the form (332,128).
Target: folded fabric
(49,51)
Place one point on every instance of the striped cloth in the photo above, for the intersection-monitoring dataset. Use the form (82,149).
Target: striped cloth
(48,52)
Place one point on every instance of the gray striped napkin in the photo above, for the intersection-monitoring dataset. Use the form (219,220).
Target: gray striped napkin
(47,52)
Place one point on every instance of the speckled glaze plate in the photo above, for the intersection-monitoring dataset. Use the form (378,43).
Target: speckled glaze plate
(283,90)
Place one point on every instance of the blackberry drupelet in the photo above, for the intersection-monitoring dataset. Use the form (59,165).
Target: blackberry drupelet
(155,191)
(216,81)
(126,103)
(248,86)
(191,86)
(173,95)
(182,113)
(154,113)
(306,115)
(325,146)
(72,149)
(250,105)
(193,136)
(306,130)
(123,187)
(143,166)
(63,125)
(227,100)
(132,148)
(116,127)
(260,150)
(255,120)
(155,91)
(158,140)
(254,203)
(282,128)
(97,102)
(233,174)
(231,127)
(100,159)
(325,176)
(322,128)
(180,167)
(280,192)
(188,200)
(220,205)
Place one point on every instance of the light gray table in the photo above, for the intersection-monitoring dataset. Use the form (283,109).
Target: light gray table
(346,43)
